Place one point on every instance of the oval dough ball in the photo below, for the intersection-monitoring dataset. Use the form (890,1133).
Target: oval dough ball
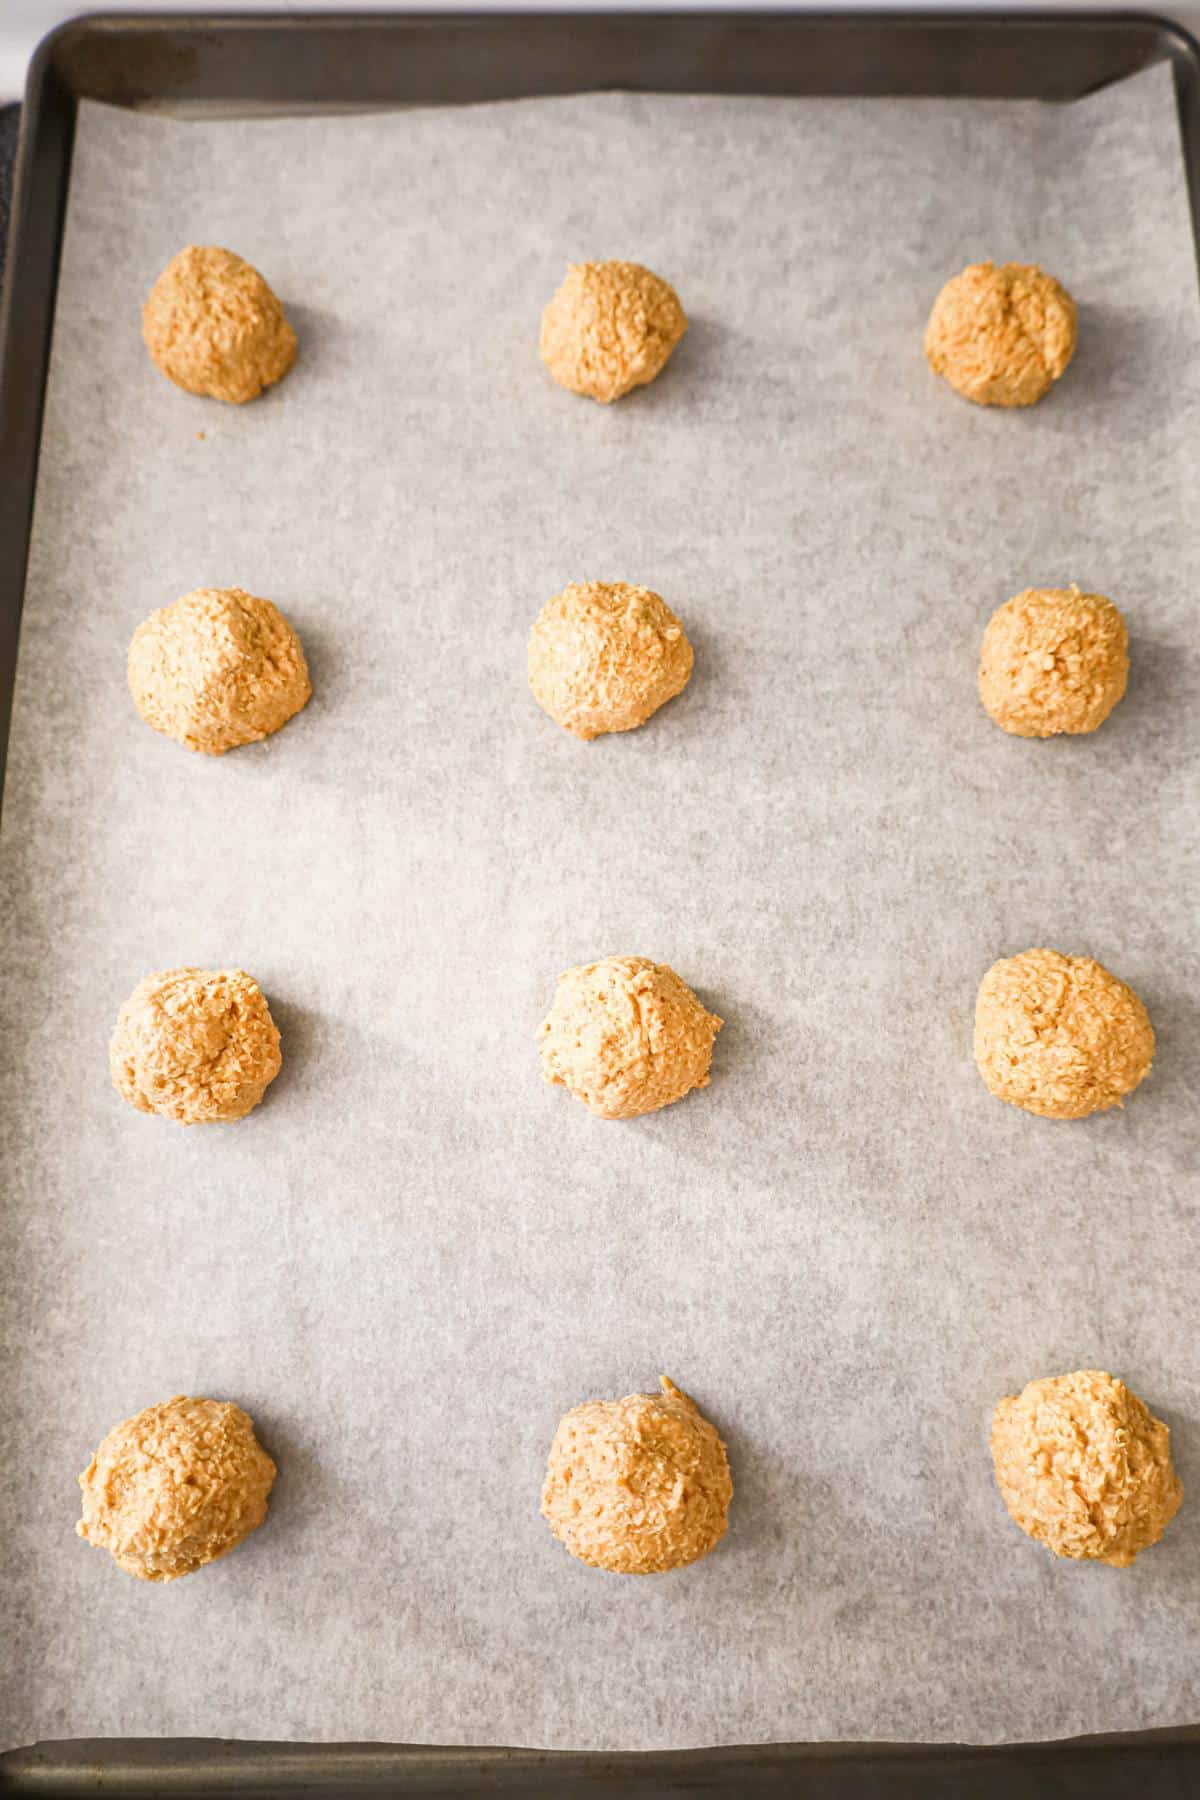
(604,656)
(1053,660)
(217,669)
(610,327)
(639,1485)
(1059,1035)
(1084,1467)
(196,1045)
(626,1037)
(175,1487)
(214,327)
(1001,336)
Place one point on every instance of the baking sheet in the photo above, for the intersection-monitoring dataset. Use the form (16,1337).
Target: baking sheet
(415,1256)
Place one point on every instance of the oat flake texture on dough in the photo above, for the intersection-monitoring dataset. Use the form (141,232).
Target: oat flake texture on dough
(1001,336)
(214,326)
(626,1036)
(217,669)
(610,327)
(1053,660)
(638,1486)
(1060,1035)
(195,1045)
(175,1487)
(604,656)
(1085,1468)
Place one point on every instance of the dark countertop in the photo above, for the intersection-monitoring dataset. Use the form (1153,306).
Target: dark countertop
(9,116)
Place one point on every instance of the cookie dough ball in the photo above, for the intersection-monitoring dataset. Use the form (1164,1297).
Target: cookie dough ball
(196,1045)
(1059,1035)
(1085,1468)
(603,656)
(214,327)
(626,1036)
(610,327)
(1053,660)
(639,1485)
(217,669)
(175,1487)
(1001,336)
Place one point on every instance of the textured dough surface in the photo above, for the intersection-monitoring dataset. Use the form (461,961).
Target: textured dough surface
(1084,1467)
(1001,336)
(1053,660)
(609,328)
(217,669)
(637,1486)
(175,1487)
(196,1045)
(626,1036)
(604,656)
(1060,1035)
(214,327)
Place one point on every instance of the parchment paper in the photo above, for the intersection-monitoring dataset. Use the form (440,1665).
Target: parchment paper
(415,1256)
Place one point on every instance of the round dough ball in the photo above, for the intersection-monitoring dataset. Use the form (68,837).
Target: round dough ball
(639,1485)
(626,1037)
(175,1487)
(217,669)
(610,327)
(1053,660)
(1084,1467)
(1001,336)
(603,656)
(196,1045)
(1059,1035)
(214,327)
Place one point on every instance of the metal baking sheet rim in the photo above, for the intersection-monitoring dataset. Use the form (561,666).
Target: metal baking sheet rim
(1112,46)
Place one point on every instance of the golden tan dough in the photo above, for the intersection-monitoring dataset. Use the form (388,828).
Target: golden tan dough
(214,327)
(1001,336)
(217,669)
(1084,1467)
(175,1487)
(1053,660)
(603,656)
(195,1045)
(610,327)
(1060,1035)
(637,1486)
(626,1036)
